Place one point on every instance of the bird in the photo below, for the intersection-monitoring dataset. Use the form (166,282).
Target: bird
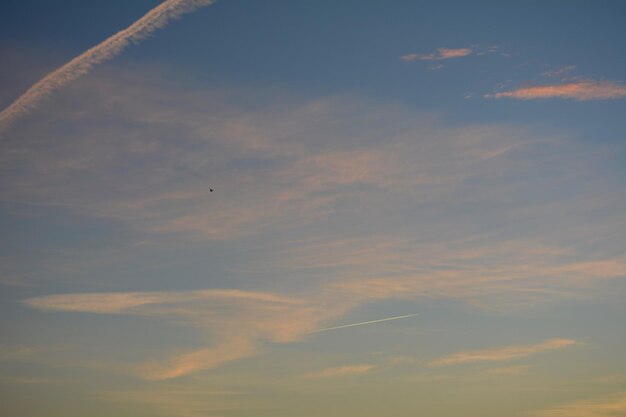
(211,190)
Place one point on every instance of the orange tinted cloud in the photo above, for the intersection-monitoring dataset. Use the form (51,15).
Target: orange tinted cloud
(502,353)
(439,54)
(445,53)
(342,371)
(580,90)
(238,321)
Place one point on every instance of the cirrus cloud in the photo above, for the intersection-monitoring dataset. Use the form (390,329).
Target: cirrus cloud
(580,90)
(342,371)
(502,353)
(609,406)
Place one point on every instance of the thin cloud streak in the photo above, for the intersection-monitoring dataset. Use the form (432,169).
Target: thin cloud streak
(446,53)
(439,54)
(155,19)
(580,90)
(502,353)
(613,406)
(125,302)
(341,371)
(364,323)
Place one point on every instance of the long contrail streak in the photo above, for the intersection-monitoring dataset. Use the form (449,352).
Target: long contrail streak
(155,19)
(364,322)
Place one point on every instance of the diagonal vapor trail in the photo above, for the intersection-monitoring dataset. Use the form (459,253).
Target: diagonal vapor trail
(155,19)
(364,322)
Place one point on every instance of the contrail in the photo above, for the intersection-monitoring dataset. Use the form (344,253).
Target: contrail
(364,322)
(155,19)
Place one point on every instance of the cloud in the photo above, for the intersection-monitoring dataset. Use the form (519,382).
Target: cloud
(502,353)
(155,19)
(608,406)
(444,53)
(580,90)
(125,302)
(238,321)
(242,322)
(409,57)
(268,175)
(341,371)
(559,72)
(355,202)
(229,349)
(160,184)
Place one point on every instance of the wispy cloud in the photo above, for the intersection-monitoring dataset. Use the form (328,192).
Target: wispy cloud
(238,321)
(341,371)
(441,54)
(281,178)
(502,353)
(291,168)
(126,302)
(609,406)
(559,72)
(155,19)
(409,57)
(583,90)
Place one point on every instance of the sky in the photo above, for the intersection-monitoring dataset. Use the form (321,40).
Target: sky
(235,208)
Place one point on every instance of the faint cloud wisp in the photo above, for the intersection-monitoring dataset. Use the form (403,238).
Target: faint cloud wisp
(502,353)
(341,371)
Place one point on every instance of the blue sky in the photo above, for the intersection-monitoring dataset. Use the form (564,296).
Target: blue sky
(456,168)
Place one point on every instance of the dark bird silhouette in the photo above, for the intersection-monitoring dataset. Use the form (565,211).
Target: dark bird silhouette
(210,189)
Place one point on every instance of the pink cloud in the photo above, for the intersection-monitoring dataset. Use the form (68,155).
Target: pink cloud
(445,53)
(580,90)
